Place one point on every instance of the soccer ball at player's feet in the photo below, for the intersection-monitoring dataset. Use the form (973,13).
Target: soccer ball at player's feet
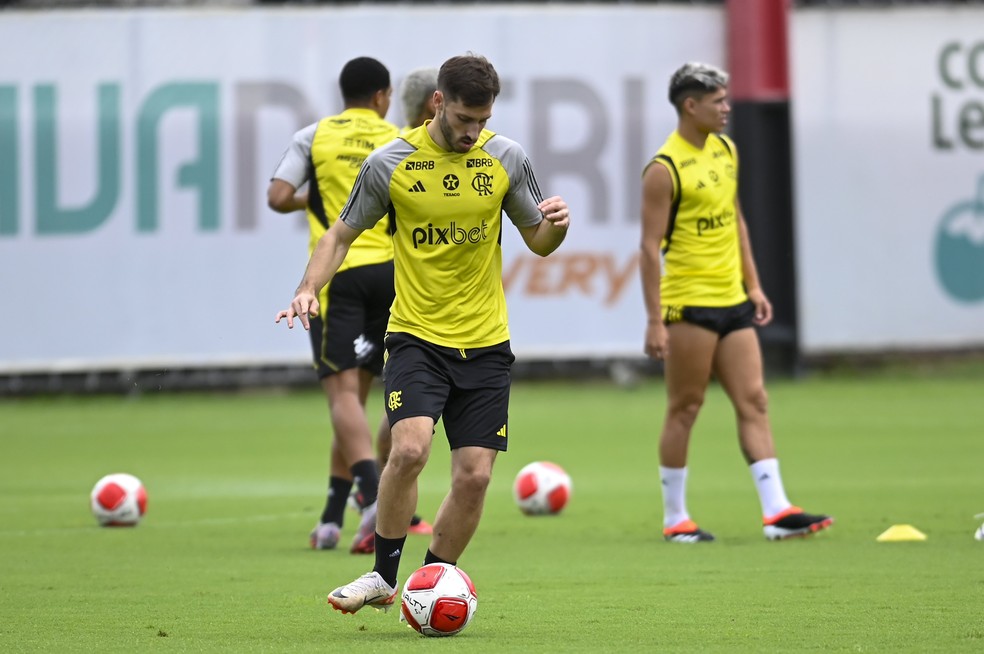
(118,500)
(439,600)
(542,488)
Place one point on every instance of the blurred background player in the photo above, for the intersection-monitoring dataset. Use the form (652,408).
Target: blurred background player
(417,97)
(448,349)
(347,334)
(704,302)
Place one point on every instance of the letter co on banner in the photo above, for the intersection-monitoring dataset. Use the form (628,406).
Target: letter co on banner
(136,147)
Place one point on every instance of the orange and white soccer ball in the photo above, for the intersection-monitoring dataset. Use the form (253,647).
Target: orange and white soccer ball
(118,500)
(542,488)
(439,599)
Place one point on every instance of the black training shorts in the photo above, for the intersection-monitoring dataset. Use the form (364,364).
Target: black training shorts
(722,320)
(349,331)
(469,388)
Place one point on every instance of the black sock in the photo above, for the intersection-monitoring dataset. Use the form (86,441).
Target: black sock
(366,475)
(338,492)
(388,553)
(430,557)
(415,520)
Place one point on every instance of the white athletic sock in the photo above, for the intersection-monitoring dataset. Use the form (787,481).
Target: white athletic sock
(674,481)
(772,495)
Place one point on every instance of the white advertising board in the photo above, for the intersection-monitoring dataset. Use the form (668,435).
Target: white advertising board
(888,114)
(136,147)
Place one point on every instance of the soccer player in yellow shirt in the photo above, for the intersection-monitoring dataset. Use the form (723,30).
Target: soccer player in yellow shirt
(347,332)
(703,301)
(446,184)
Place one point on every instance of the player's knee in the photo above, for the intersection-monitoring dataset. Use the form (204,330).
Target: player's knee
(757,401)
(407,458)
(472,483)
(685,410)
(343,405)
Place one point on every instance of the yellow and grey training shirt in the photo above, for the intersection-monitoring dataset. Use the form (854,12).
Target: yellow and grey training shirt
(329,154)
(447,209)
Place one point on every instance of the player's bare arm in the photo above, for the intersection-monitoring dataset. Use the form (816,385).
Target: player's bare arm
(763,308)
(325,260)
(549,233)
(283,197)
(657,197)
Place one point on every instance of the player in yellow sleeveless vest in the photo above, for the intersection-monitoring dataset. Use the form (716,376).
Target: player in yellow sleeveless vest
(449,183)
(703,300)
(347,338)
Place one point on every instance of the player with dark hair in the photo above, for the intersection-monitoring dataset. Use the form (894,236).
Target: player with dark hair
(347,331)
(447,185)
(703,300)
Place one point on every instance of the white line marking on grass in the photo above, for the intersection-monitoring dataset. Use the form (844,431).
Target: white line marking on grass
(182,524)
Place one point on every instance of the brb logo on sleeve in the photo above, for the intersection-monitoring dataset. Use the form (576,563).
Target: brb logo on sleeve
(453,234)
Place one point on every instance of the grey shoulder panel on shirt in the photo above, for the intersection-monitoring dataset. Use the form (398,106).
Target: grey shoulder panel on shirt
(305,136)
(293,164)
(508,152)
(370,199)
(391,155)
(521,202)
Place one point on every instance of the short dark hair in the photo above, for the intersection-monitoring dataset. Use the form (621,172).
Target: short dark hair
(361,78)
(469,78)
(695,80)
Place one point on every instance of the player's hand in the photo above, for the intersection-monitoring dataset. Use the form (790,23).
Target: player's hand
(763,308)
(304,306)
(657,344)
(555,211)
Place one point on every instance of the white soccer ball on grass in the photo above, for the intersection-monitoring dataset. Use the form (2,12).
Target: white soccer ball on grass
(542,488)
(118,500)
(439,599)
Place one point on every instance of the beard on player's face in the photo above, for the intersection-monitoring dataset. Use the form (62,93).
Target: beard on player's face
(457,140)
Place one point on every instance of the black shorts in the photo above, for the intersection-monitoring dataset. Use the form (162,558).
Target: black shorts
(721,320)
(469,389)
(349,331)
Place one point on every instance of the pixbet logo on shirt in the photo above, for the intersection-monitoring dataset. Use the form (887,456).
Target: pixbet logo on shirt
(450,235)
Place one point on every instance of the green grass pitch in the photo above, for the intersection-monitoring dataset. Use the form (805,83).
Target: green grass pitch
(236,481)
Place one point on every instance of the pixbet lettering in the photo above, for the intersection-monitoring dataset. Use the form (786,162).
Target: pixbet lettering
(448,235)
(710,223)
